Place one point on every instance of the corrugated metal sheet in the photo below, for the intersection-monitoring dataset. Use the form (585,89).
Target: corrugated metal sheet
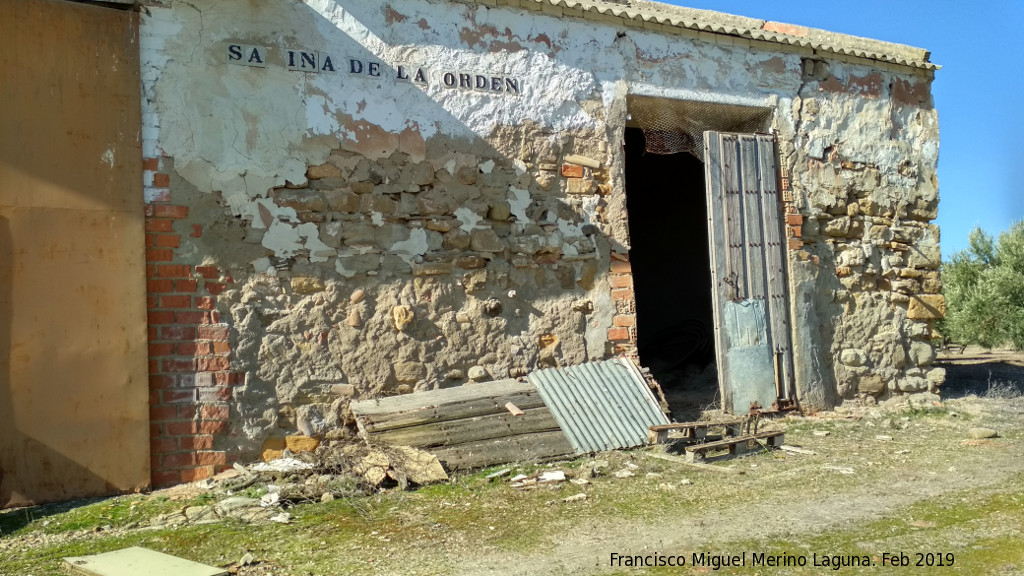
(600,405)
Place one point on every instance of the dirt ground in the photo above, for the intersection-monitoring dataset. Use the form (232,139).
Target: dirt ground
(883,485)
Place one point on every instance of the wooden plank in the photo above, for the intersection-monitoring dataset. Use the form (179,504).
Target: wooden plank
(404,402)
(698,465)
(716,245)
(522,448)
(370,424)
(734,216)
(463,430)
(735,446)
(753,237)
(658,434)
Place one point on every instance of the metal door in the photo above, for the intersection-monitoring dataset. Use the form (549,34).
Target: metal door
(751,310)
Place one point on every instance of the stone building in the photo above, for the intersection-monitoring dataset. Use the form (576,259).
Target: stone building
(347,199)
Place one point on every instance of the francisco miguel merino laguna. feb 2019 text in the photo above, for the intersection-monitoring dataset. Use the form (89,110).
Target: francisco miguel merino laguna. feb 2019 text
(755,559)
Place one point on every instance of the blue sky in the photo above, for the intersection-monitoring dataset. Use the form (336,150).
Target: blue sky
(979,92)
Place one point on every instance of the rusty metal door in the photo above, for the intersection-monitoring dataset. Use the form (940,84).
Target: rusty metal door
(74,416)
(751,310)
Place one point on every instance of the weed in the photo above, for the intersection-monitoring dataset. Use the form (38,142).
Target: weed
(1002,389)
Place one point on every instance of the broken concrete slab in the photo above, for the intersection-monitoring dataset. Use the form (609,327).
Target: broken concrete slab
(135,560)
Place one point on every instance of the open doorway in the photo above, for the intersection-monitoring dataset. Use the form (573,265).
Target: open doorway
(666,202)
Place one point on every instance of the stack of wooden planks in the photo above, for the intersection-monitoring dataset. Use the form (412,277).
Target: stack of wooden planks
(469,426)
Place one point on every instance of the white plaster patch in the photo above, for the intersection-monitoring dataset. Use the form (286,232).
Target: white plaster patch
(487,167)
(263,266)
(470,220)
(377,218)
(450,166)
(519,201)
(263,212)
(333,228)
(520,167)
(415,245)
(283,239)
(108,157)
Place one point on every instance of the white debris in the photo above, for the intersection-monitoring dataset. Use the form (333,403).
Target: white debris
(282,465)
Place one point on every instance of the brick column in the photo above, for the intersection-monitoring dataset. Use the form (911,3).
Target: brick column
(622,334)
(189,351)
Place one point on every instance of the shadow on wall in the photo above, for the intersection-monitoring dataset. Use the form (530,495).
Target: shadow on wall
(495,294)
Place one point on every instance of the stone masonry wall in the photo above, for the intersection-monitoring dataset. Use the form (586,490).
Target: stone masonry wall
(315,237)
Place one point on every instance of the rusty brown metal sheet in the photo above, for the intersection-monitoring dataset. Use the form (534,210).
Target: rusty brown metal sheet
(74,418)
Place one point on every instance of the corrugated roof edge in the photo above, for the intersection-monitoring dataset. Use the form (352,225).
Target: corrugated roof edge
(639,12)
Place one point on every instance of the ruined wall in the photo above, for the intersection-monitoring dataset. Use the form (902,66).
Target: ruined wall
(349,227)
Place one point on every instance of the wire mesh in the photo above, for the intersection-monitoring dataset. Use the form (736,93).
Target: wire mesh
(675,126)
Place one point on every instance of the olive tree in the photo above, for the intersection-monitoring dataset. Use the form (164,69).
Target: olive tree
(984,288)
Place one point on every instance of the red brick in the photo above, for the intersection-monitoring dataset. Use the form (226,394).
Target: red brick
(796,231)
(160,317)
(194,474)
(795,243)
(214,317)
(157,381)
(193,348)
(159,255)
(622,294)
(149,210)
(624,320)
(168,240)
(150,240)
(214,394)
(205,303)
(618,334)
(178,365)
(197,231)
(186,411)
(154,365)
(161,349)
(151,164)
(177,396)
(213,364)
(190,317)
(212,427)
(794,219)
(178,333)
(620,267)
(156,286)
(157,194)
(621,281)
(219,333)
(185,285)
(210,458)
(178,460)
(158,225)
(572,170)
(221,347)
(162,478)
(169,211)
(150,301)
(173,271)
(208,271)
(203,442)
(161,180)
(215,412)
(181,428)
(215,287)
(230,378)
(157,413)
(175,301)
(151,332)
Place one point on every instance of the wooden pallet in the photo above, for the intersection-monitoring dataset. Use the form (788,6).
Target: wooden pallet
(692,431)
(735,446)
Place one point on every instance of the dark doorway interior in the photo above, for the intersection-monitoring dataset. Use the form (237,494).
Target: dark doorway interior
(672,274)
